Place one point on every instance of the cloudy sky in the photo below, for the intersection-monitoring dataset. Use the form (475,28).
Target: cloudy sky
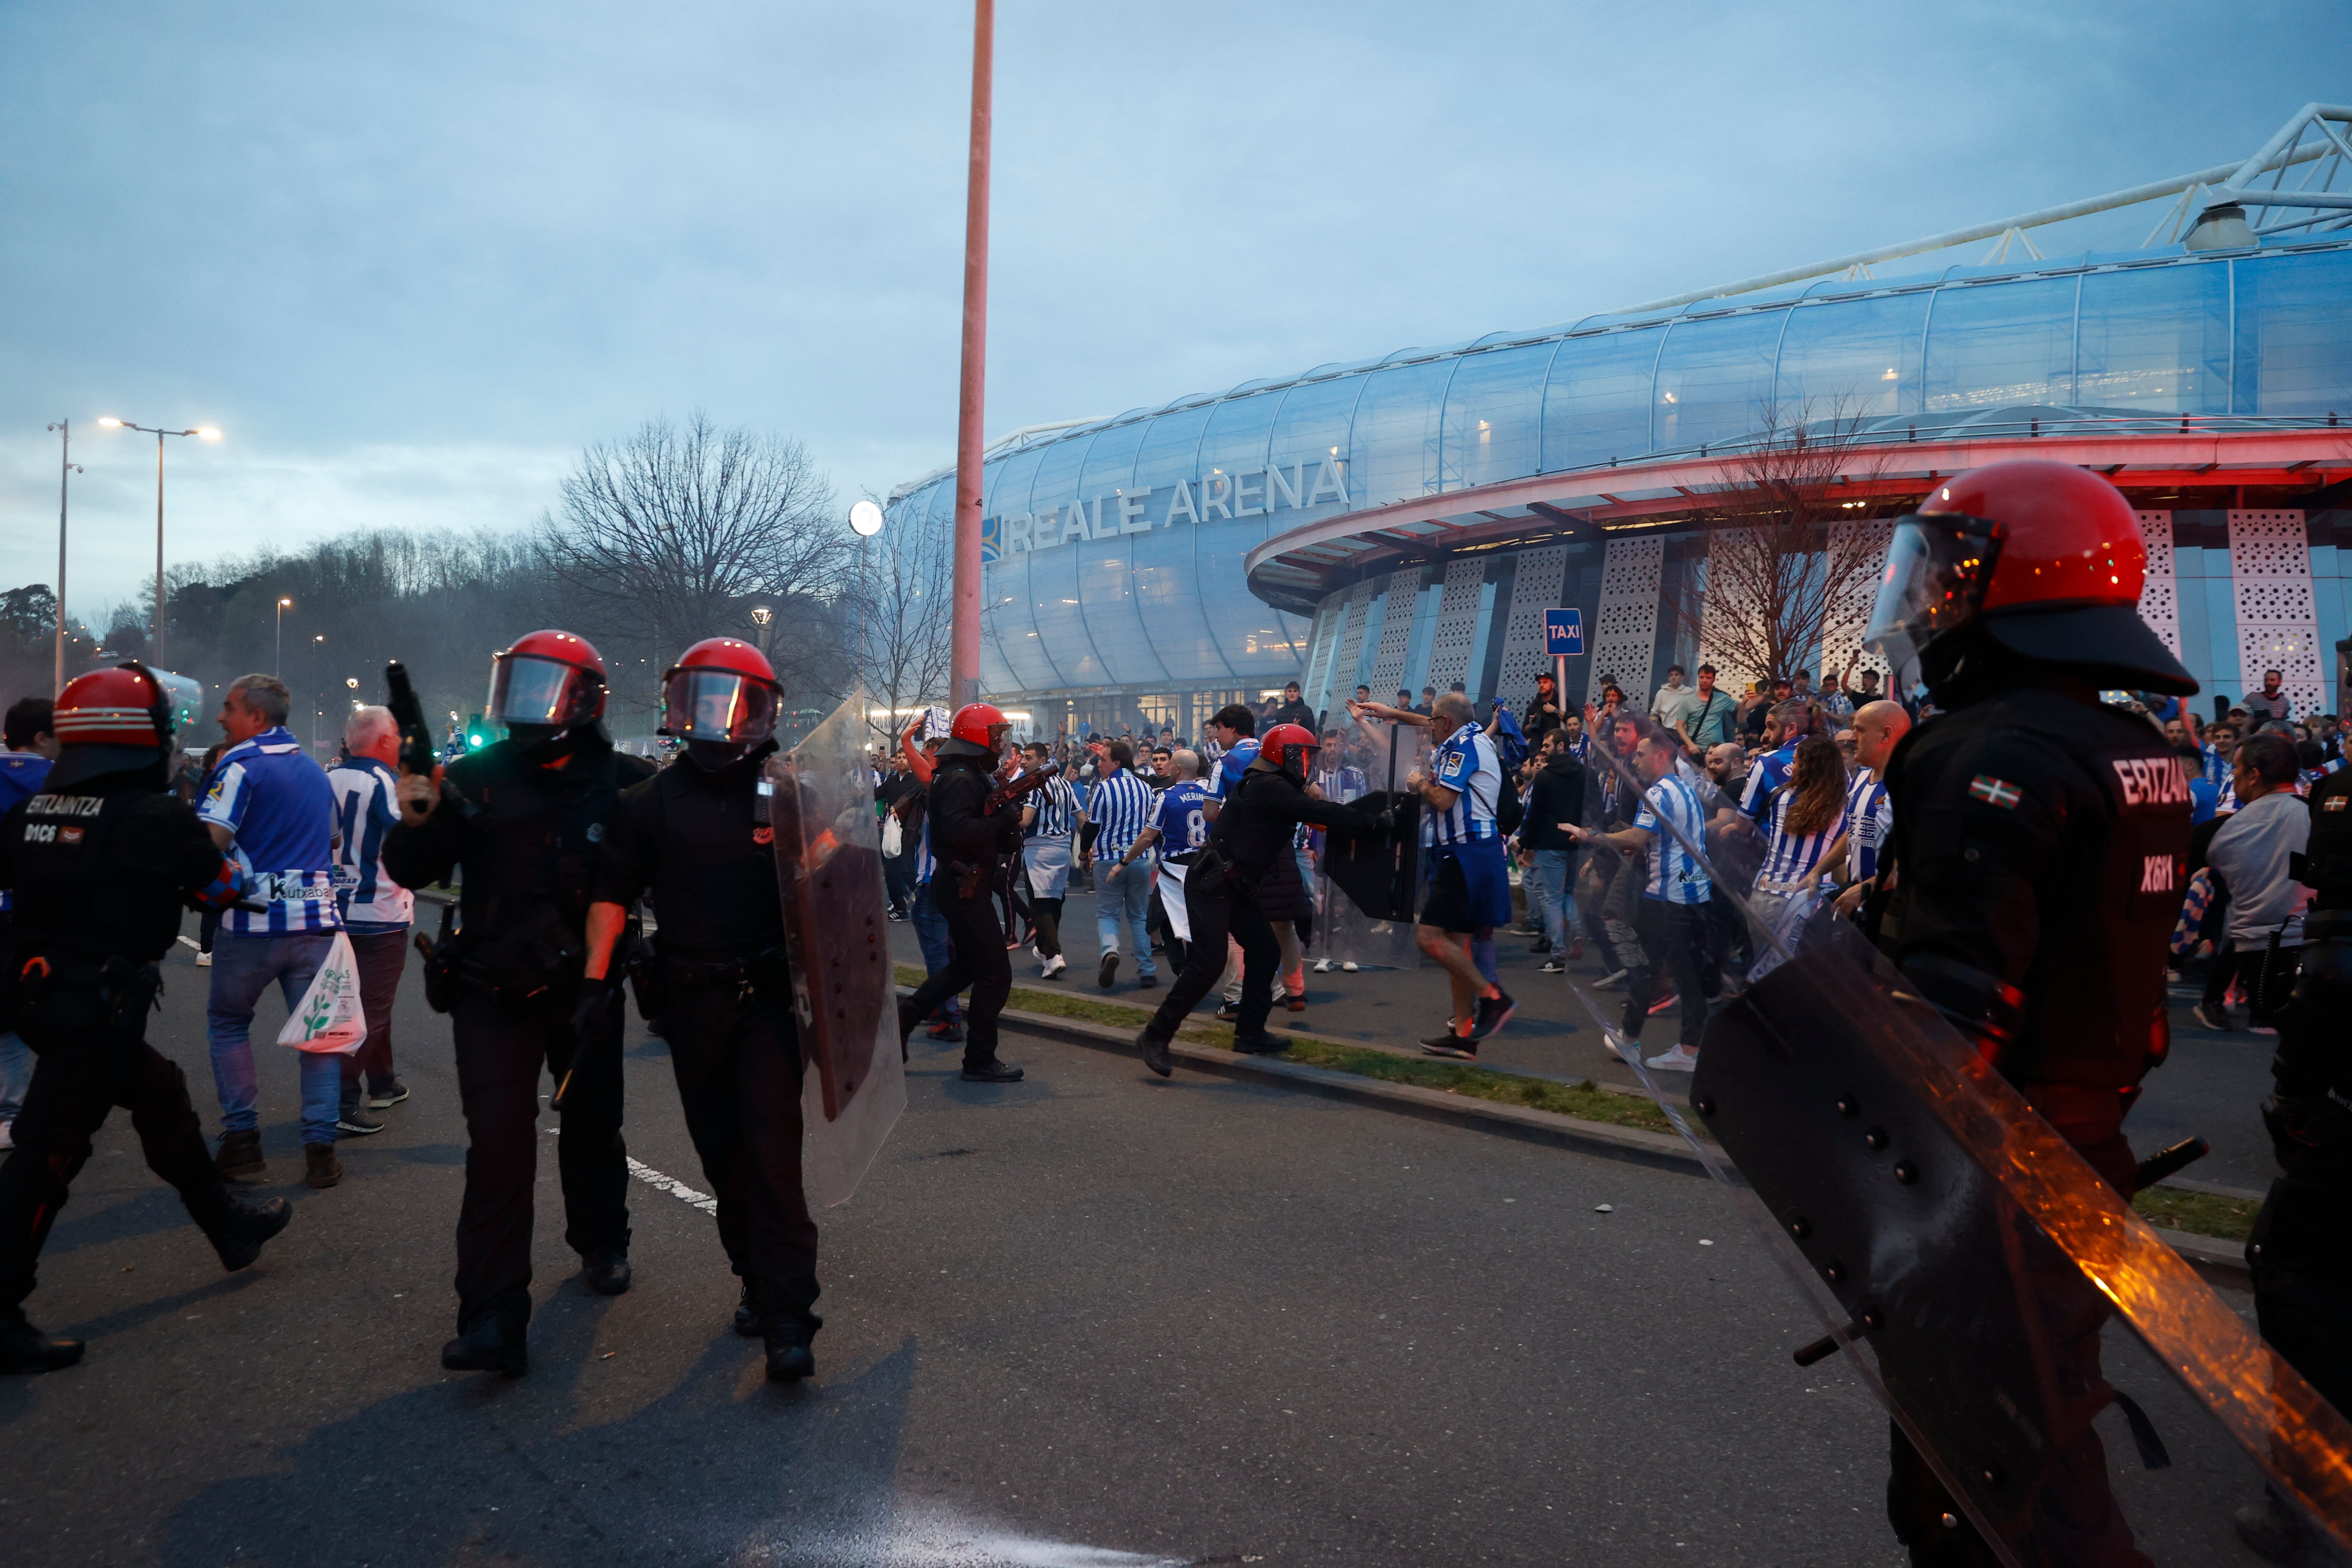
(411,258)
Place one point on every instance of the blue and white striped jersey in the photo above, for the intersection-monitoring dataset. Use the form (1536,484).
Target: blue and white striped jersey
(1121,808)
(365,813)
(1675,876)
(1769,773)
(1057,810)
(1182,817)
(1466,765)
(1231,766)
(1791,855)
(276,804)
(1870,818)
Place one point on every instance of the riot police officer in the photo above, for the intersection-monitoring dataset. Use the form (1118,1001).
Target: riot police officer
(523,817)
(99,862)
(2301,1249)
(969,842)
(1253,830)
(698,838)
(2039,845)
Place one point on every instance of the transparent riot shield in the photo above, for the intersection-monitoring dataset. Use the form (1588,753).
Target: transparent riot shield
(829,867)
(2061,1379)
(1375,757)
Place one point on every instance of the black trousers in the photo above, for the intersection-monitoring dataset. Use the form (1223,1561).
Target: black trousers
(1672,936)
(1045,914)
(899,879)
(83,1070)
(500,1047)
(1214,917)
(737,1058)
(979,961)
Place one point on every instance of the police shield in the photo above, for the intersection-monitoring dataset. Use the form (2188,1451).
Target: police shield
(829,846)
(2005,1304)
(1366,888)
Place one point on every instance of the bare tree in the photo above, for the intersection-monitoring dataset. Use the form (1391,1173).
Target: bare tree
(905,586)
(1794,549)
(676,534)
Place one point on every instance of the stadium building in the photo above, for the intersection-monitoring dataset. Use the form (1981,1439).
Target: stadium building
(1406,521)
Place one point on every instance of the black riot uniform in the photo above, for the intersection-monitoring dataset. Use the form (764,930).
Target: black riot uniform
(2300,1253)
(1252,834)
(698,841)
(2039,848)
(970,843)
(526,836)
(100,864)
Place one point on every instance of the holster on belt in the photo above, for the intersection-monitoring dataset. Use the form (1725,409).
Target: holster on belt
(744,976)
(130,991)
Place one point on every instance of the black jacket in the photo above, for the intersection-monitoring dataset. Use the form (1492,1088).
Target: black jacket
(101,868)
(1252,826)
(2041,840)
(526,836)
(693,840)
(1557,796)
(963,834)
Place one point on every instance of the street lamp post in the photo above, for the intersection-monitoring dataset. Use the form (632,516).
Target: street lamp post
(318,703)
(66,467)
(866,521)
(205,433)
(278,666)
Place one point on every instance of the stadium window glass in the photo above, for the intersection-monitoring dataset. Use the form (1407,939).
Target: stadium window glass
(1853,358)
(2294,334)
(2155,338)
(1998,345)
(1715,379)
(1394,437)
(1494,416)
(1597,398)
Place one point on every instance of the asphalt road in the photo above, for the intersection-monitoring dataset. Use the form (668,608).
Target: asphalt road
(2212,1084)
(1092,1319)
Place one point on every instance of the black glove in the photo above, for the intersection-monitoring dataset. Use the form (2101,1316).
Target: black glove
(599,1006)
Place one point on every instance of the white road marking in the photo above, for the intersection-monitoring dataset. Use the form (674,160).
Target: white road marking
(192,941)
(673,1187)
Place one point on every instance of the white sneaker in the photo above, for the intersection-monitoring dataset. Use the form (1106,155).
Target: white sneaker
(204,960)
(1348,967)
(1322,966)
(1682,1058)
(1054,965)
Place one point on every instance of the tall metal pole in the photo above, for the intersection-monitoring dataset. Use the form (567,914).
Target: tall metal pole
(64,468)
(159,550)
(964,654)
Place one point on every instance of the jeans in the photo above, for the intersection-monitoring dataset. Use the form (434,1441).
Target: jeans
(1125,900)
(243,967)
(16,1072)
(939,948)
(1551,894)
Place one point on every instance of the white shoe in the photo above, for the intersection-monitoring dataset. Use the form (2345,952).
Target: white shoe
(1054,965)
(1348,967)
(1682,1058)
(1322,966)
(203,960)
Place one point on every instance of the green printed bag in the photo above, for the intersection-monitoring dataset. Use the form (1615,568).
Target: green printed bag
(327,1018)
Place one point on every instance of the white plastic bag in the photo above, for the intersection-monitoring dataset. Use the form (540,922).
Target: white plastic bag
(328,1019)
(894,836)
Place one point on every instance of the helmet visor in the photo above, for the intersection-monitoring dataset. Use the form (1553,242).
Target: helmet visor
(718,705)
(1938,567)
(528,691)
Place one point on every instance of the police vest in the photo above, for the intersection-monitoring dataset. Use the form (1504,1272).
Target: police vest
(531,833)
(104,875)
(2044,840)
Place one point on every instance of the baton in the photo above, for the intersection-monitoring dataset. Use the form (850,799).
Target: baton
(2167,1162)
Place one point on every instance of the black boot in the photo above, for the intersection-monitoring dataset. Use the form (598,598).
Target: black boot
(788,1334)
(1260,1044)
(237,1228)
(1155,1053)
(495,1343)
(990,1071)
(606,1273)
(747,1313)
(23,1348)
(239,1159)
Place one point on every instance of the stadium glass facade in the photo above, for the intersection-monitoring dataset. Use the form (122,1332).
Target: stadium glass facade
(1116,581)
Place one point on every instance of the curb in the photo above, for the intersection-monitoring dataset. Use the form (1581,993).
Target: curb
(2220,1261)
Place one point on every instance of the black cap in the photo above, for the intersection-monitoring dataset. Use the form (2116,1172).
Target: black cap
(2109,643)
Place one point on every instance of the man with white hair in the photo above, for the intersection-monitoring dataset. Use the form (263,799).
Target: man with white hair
(376,909)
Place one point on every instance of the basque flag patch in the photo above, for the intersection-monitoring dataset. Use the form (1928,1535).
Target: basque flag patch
(1996,791)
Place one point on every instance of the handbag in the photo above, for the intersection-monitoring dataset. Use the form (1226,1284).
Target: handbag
(328,1020)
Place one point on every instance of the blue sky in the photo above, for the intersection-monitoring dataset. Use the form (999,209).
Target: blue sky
(412,257)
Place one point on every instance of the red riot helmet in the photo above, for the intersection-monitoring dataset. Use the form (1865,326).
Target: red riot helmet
(1290,748)
(2044,557)
(720,698)
(978,729)
(548,683)
(111,720)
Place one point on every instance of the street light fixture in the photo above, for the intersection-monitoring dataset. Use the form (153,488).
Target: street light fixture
(66,466)
(279,668)
(866,520)
(205,433)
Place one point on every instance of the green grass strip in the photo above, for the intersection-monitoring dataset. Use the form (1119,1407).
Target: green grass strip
(1586,1100)
(2203,1214)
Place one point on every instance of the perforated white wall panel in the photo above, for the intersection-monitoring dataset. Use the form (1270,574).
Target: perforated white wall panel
(1856,553)
(1321,646)
(2278,622)
(1351,636)
(1540,583)
(1720,607)
(1403,588)
(2159,601)
(1458,623)
(1626,638)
